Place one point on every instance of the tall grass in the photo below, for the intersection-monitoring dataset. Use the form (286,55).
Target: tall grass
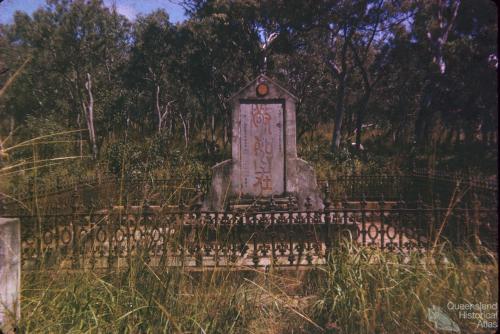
(370,291)
(144,300)
(360,291)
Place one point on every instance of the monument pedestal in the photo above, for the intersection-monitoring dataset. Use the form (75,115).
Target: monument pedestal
(264,160)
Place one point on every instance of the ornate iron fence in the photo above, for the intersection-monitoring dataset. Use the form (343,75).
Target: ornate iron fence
(113,237)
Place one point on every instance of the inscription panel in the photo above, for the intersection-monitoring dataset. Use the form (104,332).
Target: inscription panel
(262,149)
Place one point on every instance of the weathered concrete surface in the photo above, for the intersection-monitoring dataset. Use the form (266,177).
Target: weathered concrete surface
(264,158)
(10,272)
(302,183)
(219,192)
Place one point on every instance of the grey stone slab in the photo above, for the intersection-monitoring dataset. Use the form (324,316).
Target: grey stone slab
(219,192)
(10,272)
(264,158)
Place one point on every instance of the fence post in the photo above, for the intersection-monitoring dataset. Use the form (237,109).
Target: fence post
(326,213)
(401,225)
(363,219)
(383,224)
(419,206)
(75,240)
(10,273)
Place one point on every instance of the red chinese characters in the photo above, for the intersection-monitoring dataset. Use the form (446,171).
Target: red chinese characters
(262,149)
(261,118)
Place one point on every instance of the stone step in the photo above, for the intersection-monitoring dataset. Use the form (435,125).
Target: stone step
(277,203)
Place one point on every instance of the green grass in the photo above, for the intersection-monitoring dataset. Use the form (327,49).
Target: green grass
(359,291)
(368,291)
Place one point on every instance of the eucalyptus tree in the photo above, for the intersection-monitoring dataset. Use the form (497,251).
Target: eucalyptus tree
(78,48)
(458,39)
(432,28)
(221,53)
(349,38)
(150,70)
(370,47)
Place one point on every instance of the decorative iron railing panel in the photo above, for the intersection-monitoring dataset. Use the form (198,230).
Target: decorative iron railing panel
(113,238)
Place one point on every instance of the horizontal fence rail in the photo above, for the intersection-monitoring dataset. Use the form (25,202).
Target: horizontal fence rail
(471,180)
(107,190)
(113,238)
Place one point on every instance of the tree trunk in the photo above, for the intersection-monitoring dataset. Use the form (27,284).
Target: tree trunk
(226,131)
(80,138)
(337,128)
(425,111)
(186,130)
(360,118)
(438,35)
(162,113)
(213,128)
(89,115)
(341,74)
(158,109)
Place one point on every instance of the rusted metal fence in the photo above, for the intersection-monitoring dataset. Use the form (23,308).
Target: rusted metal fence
(113,237)
(108,223)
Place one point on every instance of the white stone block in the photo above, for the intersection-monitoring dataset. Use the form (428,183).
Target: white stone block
(10,272)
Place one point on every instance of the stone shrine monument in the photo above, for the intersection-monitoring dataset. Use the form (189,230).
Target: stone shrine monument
(264,160)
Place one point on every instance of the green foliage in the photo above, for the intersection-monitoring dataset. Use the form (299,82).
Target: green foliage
(154,156)
(37,127)
(151,76)
(133,159)
(348,160)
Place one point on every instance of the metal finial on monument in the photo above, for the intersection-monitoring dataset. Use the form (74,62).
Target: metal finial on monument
(263,70)
(264,47)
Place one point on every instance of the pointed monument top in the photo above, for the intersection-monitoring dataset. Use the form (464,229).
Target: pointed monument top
(274,89)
